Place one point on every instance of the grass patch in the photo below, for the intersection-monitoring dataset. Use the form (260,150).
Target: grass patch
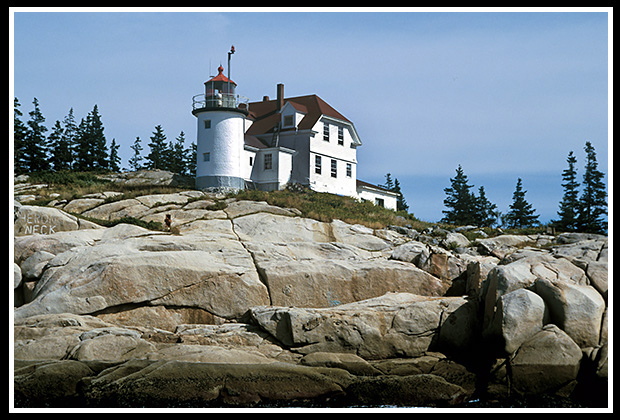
(326,207)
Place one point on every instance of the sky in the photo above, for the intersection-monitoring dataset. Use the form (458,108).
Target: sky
(505,93)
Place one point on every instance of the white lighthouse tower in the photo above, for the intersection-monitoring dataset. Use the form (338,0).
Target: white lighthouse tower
(219,143)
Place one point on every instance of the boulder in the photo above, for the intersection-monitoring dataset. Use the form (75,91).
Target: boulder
(50,383)
(502,245)
(434,260)
(347,361)
(117,210)
(261,227)
(80,205)
(393,325)
(26,246)
(456,240)
(545,363)
(519,315)
(198,353)
(33,266)
(423,390)
(217,276)
(157,200)
(35,220)
(320,283)
(170,383)
(576,309)
(597,272)
(245,207)
(523,273)
(147,177)
(48,337)
(112,346)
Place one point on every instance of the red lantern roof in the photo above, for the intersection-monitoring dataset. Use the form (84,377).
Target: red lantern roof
(220,77)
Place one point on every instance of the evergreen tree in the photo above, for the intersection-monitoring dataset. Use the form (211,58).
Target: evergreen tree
(459,201)
(60,156)
(135,162)
(592,204)
(35,142)
(401,203)
(156,159)
(191,162)
(83,154)
(19,139)
(70,133)
(178,155)
(521,214)
(98,142)
(389,184)
(569,204)
(115,160)
(92,153)
(485,211)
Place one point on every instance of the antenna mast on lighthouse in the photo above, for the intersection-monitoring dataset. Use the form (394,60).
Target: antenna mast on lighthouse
(231,52)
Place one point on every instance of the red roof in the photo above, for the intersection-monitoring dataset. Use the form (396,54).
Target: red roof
(220,77)
(265,113)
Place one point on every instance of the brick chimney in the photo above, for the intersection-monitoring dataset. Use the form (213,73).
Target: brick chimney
(280,96)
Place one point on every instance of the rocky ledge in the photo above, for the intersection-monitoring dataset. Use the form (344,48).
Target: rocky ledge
(246,304)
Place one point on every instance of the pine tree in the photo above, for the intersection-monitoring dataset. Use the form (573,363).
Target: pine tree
(485,211)
(191,162)
(35,142)
(115,160)
(569,204)
(135,162)
(60,156)
(178,158)
(19,139)
(592,205)
(521,214)
(401,203)
(389,184)
(460,201)
(70,133)
(83,153)
(99,148)
(157,158)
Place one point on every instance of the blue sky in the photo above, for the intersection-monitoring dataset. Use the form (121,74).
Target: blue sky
(504,94)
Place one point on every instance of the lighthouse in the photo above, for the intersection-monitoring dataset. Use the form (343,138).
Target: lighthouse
(220,134)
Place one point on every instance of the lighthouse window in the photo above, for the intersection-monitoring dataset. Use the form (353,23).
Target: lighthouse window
(340,136)
(268,161)
(206,157)
(334,168)
(325,131)
(207,123)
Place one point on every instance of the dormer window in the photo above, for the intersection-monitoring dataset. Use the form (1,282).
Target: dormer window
(288,120)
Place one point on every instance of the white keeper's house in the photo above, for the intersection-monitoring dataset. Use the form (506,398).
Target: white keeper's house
(268,144)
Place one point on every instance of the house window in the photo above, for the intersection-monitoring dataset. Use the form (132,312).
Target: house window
(268,161)
(317,164)
(379,202)
(325,131)
(334,168)
(289,120)
(207,123)
(349,170)
(340,136)
(206,157)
